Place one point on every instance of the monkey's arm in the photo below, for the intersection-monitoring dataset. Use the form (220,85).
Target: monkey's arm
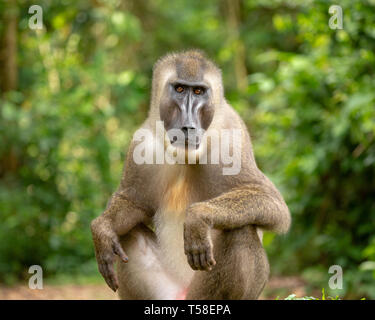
(258,203)
(120,217)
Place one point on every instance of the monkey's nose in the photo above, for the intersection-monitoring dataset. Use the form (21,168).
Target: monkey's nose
(186,130)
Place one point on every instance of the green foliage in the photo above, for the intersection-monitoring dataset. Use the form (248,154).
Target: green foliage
(84,84)
(319,112)
(324,297)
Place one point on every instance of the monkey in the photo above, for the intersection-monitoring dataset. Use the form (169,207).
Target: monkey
(188,231)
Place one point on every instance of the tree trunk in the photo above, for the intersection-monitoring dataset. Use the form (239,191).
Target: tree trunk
(8,48)
(233,20)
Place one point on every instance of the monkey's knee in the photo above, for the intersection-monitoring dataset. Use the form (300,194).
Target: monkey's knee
(143,277)
(138,245)
(139,240)
(256,270)
(243,265)
(259,277)
(250,271)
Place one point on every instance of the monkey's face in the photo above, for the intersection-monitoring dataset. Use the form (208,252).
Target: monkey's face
(187,112)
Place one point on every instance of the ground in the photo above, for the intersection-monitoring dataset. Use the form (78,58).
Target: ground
(277,286)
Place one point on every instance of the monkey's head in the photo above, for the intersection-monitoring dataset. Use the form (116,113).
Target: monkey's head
(187,90)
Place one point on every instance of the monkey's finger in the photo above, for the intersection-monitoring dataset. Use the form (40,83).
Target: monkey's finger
(197,263)
(210,258)
(191,261)
(117,249)
(109,280)
(203,260)
(104,273)
(187,241)
(108,273)
(102,269)
(113,276)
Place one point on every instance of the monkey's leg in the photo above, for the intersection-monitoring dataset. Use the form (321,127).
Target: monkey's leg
(144,276)
(241,269)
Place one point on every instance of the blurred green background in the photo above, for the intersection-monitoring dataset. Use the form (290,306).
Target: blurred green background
(73,94)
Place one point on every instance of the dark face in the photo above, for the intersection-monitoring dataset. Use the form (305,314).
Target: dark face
(186,107)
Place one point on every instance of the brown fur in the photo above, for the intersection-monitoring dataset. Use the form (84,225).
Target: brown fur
(192,209)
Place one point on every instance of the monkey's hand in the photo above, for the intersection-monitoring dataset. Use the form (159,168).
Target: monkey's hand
(107,246)
(197,241)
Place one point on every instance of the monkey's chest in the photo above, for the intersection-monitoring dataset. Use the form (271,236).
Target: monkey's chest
(169,230)
(169,225)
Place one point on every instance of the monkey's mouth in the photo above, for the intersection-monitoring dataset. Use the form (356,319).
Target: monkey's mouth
(189,143)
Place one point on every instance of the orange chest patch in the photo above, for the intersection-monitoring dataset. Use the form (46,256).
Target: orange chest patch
(177,195)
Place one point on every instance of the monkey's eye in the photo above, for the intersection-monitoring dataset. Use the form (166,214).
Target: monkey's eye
(179,88)
(198,91)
